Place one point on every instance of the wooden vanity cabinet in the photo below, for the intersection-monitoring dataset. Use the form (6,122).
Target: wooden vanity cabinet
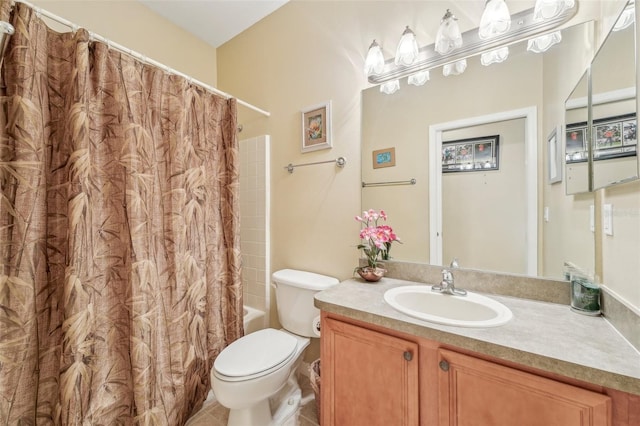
(374,376)
(475,392)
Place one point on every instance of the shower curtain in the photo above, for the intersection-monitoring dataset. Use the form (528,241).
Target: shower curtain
(119,234)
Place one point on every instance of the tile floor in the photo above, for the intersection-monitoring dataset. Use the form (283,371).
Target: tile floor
(214,414)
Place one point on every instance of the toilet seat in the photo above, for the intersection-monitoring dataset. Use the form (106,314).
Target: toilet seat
(255,355)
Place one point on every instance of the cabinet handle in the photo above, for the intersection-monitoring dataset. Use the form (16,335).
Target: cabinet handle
(408,355)
(444,365)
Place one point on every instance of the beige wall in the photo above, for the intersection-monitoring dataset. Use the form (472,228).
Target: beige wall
(136,27)
(312,51)
(305,53)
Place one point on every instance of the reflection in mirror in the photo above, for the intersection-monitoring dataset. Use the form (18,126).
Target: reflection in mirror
(613,88)
(402,121)
(576,149)
(487,208)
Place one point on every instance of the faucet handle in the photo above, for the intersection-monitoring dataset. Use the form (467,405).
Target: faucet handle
(447,275)
(454,263)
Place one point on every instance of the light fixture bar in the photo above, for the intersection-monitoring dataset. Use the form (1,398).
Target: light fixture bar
(523,27)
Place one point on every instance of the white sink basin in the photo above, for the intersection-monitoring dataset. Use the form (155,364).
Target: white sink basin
(472,310)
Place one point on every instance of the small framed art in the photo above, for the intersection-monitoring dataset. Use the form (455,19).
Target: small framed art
(316,127)
(384,158)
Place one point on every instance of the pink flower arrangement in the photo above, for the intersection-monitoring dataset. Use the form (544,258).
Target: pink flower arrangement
(376,238)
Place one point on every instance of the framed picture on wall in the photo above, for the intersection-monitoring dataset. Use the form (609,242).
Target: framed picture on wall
(613,137)
(471,155)
(384,158)
(316,127)
(576,147)
(554,157)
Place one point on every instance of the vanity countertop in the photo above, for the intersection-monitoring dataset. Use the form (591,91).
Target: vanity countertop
(542,335)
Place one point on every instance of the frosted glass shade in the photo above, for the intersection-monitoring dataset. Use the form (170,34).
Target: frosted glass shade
(495,56)
(448,37)
(407,51)
(495,20)
(374,63)
(627,17)
(548,9)
(390,87)
(419,78)
(543,43)
(455,68)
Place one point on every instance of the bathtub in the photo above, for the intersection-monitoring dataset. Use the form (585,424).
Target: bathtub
(253,319)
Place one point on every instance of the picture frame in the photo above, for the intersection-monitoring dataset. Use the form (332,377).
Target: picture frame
(554,156)
(471,155)
(613,137)
(384,158)
(575,143)
(316,127)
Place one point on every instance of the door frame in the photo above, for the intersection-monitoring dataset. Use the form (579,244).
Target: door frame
(530,116)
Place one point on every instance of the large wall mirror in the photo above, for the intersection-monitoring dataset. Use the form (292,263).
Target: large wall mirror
(484,216)
(602,109)
(613,106)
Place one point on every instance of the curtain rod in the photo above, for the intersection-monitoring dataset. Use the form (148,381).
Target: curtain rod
(139,56)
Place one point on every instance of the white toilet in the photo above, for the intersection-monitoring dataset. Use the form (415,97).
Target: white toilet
(261,366)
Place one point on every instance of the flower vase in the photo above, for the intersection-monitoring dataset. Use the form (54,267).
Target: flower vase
(371,273)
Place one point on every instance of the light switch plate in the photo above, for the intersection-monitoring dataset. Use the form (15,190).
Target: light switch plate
(592,218)
(607,219)
(546,214)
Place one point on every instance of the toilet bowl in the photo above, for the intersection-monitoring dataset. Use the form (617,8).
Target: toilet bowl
(255,375)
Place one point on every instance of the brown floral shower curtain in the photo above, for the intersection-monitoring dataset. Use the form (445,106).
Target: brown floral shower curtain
(119,249)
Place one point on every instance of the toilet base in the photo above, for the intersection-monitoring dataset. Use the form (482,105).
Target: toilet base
(284,405)
(259,414)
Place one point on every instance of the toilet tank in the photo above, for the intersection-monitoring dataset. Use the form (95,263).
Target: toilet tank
(294,300)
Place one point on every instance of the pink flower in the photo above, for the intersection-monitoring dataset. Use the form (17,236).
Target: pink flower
(376,238)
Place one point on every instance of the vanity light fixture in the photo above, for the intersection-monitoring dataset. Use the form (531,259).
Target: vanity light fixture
(419,78)
(495,20)
(543,43)
(495,56)
(448,37)
(374,63)
(545,10)
(455,68)
(407,51)
(627,17)
(390,87)
(523,27)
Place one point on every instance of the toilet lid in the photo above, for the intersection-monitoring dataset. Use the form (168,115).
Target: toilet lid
(255,352)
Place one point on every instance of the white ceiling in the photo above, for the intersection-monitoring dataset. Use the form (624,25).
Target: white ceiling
(214,21)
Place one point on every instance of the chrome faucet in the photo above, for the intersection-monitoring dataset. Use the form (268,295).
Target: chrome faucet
(447,286)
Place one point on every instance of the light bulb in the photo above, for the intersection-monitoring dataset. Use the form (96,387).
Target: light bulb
(407,51)
(390,87)
(448,37)
(419,78)
(374,64)
(455,68)
(494,56)
(495,20)
(549,9)
(543,43)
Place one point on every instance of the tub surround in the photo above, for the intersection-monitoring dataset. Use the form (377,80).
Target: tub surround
(542,335)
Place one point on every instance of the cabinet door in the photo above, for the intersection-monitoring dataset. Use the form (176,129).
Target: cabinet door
(368,378)
(473,392)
